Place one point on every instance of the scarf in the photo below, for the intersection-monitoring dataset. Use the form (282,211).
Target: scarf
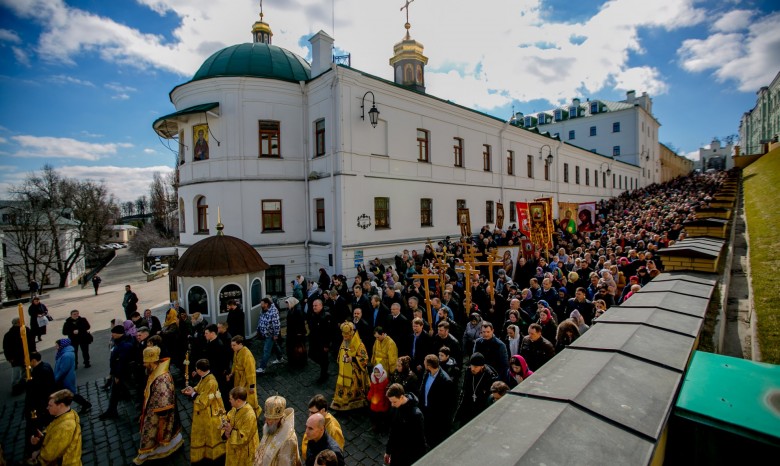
(382,374)
(171,317)
(129,328)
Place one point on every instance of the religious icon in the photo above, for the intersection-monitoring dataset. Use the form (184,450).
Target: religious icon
(499,215)
(200,134)
(586,214)
(464,221)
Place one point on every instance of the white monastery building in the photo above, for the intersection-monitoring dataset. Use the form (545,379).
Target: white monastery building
(316,165)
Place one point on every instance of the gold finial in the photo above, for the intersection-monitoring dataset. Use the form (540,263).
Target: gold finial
(220,226)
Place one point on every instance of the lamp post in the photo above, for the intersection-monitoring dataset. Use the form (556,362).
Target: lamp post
(373,114)
(608,172)
(549,159)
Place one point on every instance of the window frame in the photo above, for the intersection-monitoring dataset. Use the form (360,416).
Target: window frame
(202,214)
(587,176)
(426,212)
(572,135)
(382,214)
(547,171)
(576,174)
(490,212)
(319,214)
(269,135)
(458,152)
(274,281)
(512,211)
(267,216)
(319,137)
(616,127)
(423,145)
(510,162)
(565,172)
(529,167)
(615,151)
(593,131)
(487,157)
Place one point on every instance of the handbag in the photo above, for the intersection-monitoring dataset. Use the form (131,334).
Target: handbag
(42,321)
(89,338)
(49,318)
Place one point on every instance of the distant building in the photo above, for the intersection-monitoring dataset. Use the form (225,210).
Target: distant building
(716,156)
(761,125)
(322,165)
(673,165)
(626,130)
(120,233)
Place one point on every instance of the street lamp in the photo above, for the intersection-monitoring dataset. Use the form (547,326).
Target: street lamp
(609,169)
(373,114)
(549,159)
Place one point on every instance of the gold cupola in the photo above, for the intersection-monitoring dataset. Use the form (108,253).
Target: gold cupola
(408,62)
(261,31)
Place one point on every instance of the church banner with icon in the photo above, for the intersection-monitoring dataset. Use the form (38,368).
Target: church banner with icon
(586,216)
(523,222)
(567,215)
(540,230)
(549,222)
(499,216)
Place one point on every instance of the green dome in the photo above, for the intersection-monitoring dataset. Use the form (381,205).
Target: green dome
(257,60)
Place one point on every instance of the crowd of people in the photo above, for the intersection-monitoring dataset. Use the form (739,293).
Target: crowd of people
(417,378)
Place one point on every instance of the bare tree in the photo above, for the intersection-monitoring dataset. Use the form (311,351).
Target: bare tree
(146,238)
(26,236)
(142,205)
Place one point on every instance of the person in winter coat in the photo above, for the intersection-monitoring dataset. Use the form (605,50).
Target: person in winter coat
(546,321)
(567,334)
(404,375)
(65,371)
(377,397)
(518,370)
(406,443)
(472,332)
(476,388)
(535,349)
(76,328)
(37,309)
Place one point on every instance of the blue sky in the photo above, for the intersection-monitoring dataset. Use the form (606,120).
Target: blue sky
(82,80)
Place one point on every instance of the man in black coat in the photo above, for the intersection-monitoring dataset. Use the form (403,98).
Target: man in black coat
(438,398)
(120,361)
(443,337)
(406,443)
(235,319)
(320,337)
(37,391)
(493,350)
(219,358)
(379,313)
(129,302)
(476,388)
(398,327)
(14,352)
(535,349)
(77,329)
(319,440)
(420,346)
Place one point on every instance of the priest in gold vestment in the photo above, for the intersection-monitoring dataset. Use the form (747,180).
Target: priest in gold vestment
(62,440)
(279,446)
(240,430)
(243,374)
(206,441)
(352,381)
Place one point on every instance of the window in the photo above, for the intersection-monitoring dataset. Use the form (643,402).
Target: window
(547,171)
(458,151)
(255,293)
(571,134)
(616,127)
(486,157)
(197,300)
(577,174)
(182,226)
(203,215)
(565,172)
(615,151)
(604,179)
(613,181)
(319,138)
(459,204)
(269,138)
(510,162)
(573,112)
(489,213)
(512,212)
(426,212)
(596,178)
(272,215)
(274,280)
(592,130)
(594,107)
(558,115)
(620,182)
(228,292)
(587,177)
(542,118)
(319,209)
(382,212)
(530,166)
(422,145)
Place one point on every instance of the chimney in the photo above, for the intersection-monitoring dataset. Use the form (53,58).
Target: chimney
(321,53)
(630,97)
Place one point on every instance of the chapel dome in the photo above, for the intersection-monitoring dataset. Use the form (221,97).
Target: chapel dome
(256,60)
(218,256)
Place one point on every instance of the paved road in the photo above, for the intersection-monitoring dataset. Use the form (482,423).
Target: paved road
(115,442)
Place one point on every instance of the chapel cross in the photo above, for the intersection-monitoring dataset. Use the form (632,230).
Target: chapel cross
(407,9)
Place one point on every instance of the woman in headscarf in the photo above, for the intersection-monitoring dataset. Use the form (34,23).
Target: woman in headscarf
(513,339)
(472,332)
(296,334)
(549,328)
(404,375)
(579,321)
(65,371)
(518,370)
(130,329)
(567,334)
(352,381)
(378,402)
(311,294)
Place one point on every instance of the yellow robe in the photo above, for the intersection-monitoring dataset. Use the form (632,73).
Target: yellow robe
(333,428)
(244,375)
(385,353)
(206,439)
(352,382)
(281,447)
(243,440)
(62,441)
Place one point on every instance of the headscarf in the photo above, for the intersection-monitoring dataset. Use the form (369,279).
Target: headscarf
(382,374)
(62,343)
(514,343)
(291,302)
(171,317)
(525,373)
(313,289)
(130,328)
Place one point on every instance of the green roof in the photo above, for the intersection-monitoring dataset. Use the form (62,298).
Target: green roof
(257,60)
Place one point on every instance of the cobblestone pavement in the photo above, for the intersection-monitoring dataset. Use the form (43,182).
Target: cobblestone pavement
(115,442)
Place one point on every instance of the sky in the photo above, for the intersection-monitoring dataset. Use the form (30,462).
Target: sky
(82,80)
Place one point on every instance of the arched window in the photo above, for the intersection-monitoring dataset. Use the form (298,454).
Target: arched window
(256,292)
(202,215)
(182,227)
(228,292)
(197,300)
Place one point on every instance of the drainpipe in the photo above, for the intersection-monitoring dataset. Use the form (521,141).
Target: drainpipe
(501,155)
(333,150)
(307,201)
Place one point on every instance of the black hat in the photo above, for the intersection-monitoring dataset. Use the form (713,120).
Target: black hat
(118,329)
(477,359)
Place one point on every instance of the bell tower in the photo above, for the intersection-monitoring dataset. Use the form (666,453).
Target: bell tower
(408,61)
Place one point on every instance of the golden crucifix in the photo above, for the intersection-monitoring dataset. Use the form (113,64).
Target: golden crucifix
(466,269)
(425,276)
(490,262)
(441,266)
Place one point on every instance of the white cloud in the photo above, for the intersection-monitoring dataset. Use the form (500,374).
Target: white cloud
(692,155)
(90,135)
(553,67)
(52,147)
(121,90)
(3,140)
(21,56)
(122,96)
(7,35)
(126,183)
(149,151)
(64,79)
(750,57)
(732,21)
